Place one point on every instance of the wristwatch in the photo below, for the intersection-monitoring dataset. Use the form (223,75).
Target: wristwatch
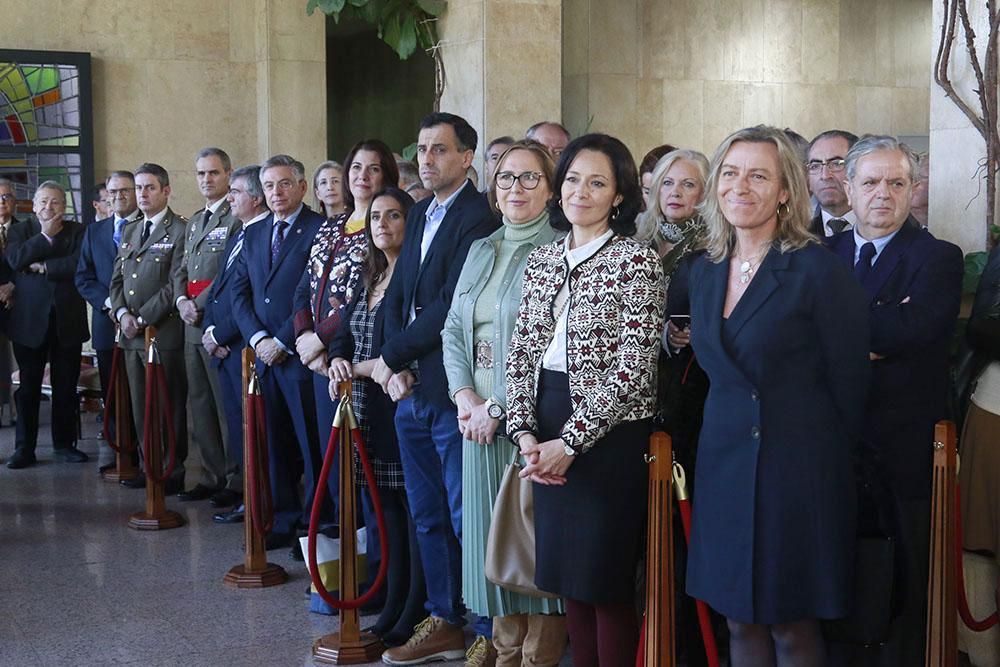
(494,409)
(567,449)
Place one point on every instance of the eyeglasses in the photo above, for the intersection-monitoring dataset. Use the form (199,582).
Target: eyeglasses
(6,197)
(115,194)
(834,165)
(529,180)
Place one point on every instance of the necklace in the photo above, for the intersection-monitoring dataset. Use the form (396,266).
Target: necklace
(748,266)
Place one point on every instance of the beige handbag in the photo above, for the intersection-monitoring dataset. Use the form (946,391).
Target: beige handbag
(510,546)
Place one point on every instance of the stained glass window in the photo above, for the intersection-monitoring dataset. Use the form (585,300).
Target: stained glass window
(45,125)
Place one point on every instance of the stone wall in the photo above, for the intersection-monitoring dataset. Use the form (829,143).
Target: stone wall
(170,77)
(688,72)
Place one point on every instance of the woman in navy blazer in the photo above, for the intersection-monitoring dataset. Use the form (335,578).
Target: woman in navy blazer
(781,329)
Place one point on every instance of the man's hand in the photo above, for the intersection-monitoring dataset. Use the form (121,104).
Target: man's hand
(270,352)
(400,385)
(37,267)
(221,352)
(52,227)
(382,374)
(129,325)
(209,343)
(309,347)
(189,312)
(319,365)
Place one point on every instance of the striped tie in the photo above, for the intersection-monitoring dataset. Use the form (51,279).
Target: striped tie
(236,249)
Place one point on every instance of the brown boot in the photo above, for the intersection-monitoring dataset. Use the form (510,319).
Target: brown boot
(545,641)
(508,637)
(433,640)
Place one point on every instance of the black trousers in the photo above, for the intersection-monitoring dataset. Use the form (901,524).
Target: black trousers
(64,372)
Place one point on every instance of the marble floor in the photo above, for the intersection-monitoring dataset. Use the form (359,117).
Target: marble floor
(81,588)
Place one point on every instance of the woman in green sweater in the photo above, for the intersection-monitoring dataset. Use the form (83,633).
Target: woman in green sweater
(526,630)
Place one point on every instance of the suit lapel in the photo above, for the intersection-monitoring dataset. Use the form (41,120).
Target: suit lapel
(717,274)
(759,290)
(442,237)
(292,237)
(888,260)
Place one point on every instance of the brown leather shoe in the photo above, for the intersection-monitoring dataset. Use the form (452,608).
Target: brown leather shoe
(433,640)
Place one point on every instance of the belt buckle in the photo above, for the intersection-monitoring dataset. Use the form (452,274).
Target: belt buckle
(484,354)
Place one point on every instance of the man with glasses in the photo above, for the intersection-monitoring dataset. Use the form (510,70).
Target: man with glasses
(142,295)
(825,160)
(208,232)
(101,240)
(48,323)
(274,256)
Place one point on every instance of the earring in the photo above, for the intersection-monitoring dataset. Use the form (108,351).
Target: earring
(497,204)
(787,210)
(614,214)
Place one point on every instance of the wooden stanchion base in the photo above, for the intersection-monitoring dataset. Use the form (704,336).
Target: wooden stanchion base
(115,475)
(330,650)
(144,521)
(271,575)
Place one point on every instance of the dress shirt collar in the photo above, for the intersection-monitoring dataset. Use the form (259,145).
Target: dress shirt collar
(214,206)
(256,219)
(156,219)
(290,219)
(446,204)
(850,217)
(128,218)
(578,255)
(879,243)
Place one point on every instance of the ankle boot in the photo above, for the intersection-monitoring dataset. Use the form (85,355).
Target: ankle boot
(508,638)
(545,641)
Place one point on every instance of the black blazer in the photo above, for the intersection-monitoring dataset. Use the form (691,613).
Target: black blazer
(381,409)
(909,388)
(219,306)
(429,286)
(93,278)
(36,295)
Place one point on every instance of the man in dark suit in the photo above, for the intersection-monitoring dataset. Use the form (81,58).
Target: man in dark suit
(439,231)
(222,339)
(208,233)
(274,256)
(914,282)
(142,295)
(48,323)
(825,160)
(8,204)
(97,261)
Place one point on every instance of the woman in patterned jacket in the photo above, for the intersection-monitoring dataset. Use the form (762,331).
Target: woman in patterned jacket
(581,373)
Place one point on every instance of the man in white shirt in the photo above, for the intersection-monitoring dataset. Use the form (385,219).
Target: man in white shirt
(825,164)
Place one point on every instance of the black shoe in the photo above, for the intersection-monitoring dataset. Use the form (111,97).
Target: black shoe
(277,541)
(22,458)
(106,467)
(199,492)
(225,498)
(233,516)
(173,487)
(138,482)
(70,455)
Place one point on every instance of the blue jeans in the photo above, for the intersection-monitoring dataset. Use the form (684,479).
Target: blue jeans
(430,448)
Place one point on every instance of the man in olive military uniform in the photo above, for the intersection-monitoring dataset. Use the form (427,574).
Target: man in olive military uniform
(142,294)
(208,233)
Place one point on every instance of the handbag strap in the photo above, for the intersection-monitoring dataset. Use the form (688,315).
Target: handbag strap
(517,456)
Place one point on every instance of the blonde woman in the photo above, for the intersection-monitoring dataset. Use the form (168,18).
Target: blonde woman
(781,328)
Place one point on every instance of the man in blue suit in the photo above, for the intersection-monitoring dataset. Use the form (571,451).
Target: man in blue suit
(439,231)
(914,283)
(93,273)
(274,256)
(222,338)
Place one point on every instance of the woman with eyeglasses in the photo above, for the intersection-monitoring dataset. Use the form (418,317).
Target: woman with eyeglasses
(581,373)
(475,338)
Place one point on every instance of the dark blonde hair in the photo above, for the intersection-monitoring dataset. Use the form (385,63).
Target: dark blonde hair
(793,223)
(539,151)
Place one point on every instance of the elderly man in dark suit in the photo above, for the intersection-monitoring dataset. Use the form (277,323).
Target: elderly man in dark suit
(48,322)
(97,261)
(274,256)
(439,231)
(222,338)
(825,162)
(914,284)
(142,295)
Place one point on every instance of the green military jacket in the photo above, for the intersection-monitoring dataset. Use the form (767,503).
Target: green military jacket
(141,281)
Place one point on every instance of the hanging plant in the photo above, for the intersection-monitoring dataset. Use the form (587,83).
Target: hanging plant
(404,25)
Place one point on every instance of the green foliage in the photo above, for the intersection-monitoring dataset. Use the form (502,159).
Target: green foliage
(402,24)
(409,152)
(975,264)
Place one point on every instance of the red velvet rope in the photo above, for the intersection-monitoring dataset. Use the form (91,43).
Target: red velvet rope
(156,383)
(261,513)
(331,449)
(704,621)
(963,602)
(116,356)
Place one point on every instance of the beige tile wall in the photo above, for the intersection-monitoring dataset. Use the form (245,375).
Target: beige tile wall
(689,72)
(171,77)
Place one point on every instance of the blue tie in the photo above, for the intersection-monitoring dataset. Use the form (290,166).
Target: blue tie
(236,249)
(279,236)
(117,236)
(864,265)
